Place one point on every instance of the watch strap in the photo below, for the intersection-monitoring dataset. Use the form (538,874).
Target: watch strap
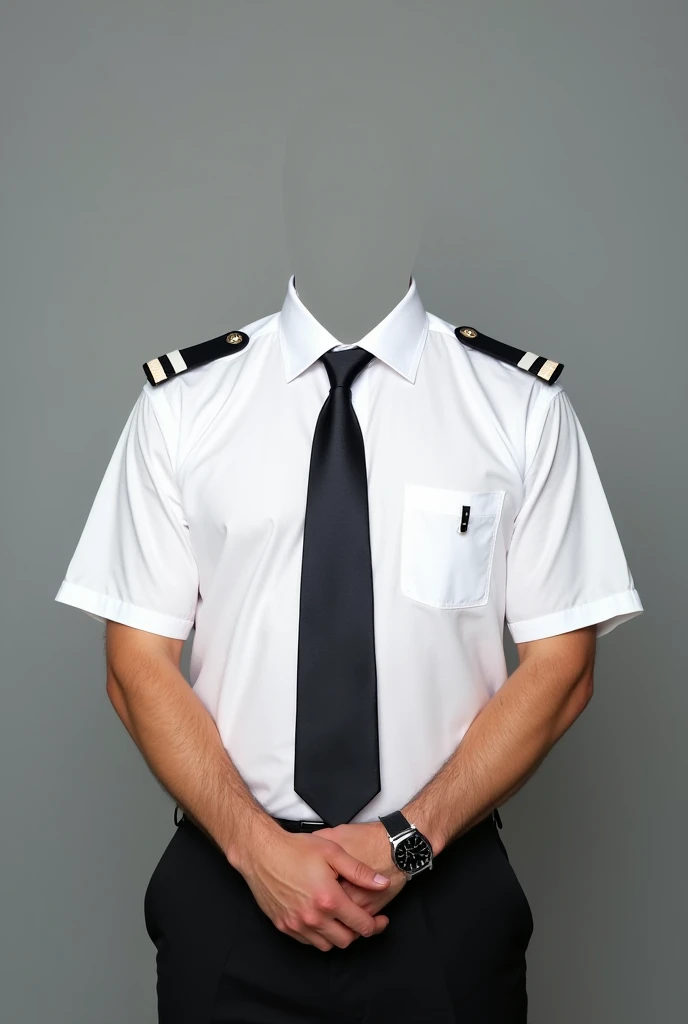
(395,822)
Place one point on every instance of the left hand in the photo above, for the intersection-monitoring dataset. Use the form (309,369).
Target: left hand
(369,842)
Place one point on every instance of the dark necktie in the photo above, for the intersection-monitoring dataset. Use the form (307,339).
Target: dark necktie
(337,768)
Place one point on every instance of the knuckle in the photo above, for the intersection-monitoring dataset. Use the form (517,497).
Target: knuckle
(361,871)
(310,918)
(325,901)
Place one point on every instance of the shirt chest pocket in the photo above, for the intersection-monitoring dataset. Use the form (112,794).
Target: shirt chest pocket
(441,564)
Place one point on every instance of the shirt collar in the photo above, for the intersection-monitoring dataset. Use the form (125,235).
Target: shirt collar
(397,340)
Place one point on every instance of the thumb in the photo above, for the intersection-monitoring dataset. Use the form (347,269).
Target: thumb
(355,870)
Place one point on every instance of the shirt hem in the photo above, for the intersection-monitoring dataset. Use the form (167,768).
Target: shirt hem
(101,607)
(607,613)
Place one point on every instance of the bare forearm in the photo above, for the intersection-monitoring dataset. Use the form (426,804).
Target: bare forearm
(183,748)
(503,747)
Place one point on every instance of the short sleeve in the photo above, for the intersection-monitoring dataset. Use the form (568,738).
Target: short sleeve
(566,567)
(134,562)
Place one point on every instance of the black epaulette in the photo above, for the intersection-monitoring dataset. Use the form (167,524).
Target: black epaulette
(181,360)
(546,369)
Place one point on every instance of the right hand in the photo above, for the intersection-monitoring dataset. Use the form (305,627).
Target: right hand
(293,877)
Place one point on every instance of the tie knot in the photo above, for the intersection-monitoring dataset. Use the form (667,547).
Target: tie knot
(344,365)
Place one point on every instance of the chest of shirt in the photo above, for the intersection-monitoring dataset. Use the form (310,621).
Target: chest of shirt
(437,451)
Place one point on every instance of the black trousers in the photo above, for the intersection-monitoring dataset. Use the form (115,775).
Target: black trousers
(453,951)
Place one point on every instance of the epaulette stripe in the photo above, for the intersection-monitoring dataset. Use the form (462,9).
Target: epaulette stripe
(537,365)
(167,366)
(551,370)
(155,372)
(526,361)
(548,370)
(180,360)
(177,360)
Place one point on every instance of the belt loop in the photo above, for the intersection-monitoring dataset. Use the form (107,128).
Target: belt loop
(498,820)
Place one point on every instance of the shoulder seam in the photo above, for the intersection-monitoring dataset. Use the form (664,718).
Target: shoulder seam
(148,391)
(541,409)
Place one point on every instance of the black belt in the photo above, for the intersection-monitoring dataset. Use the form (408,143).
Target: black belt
(290,824)
(309,825)
(304,825)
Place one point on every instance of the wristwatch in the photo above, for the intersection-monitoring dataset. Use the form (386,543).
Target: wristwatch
(411,850)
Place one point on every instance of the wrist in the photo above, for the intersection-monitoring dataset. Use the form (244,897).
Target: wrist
(248,837)
(430,829)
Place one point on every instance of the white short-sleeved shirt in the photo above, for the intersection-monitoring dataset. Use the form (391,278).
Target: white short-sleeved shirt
(198,524)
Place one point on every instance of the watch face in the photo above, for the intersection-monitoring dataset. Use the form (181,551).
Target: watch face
(413,853)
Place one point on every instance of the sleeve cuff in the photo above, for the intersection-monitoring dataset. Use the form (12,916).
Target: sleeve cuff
(102,608)
(608,613)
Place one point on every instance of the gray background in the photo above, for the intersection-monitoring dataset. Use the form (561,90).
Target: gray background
(141,191)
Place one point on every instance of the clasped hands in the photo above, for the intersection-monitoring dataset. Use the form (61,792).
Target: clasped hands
(369,843)
(320,887)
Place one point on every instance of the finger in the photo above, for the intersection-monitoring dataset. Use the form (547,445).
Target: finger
(310,937)
(332,933)
(356,910)
(318,925)
(325,919)
(380,925)
(361,897)
(355,870)
(337,933)
(357,918)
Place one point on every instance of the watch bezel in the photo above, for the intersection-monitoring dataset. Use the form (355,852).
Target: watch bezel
(401,837)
